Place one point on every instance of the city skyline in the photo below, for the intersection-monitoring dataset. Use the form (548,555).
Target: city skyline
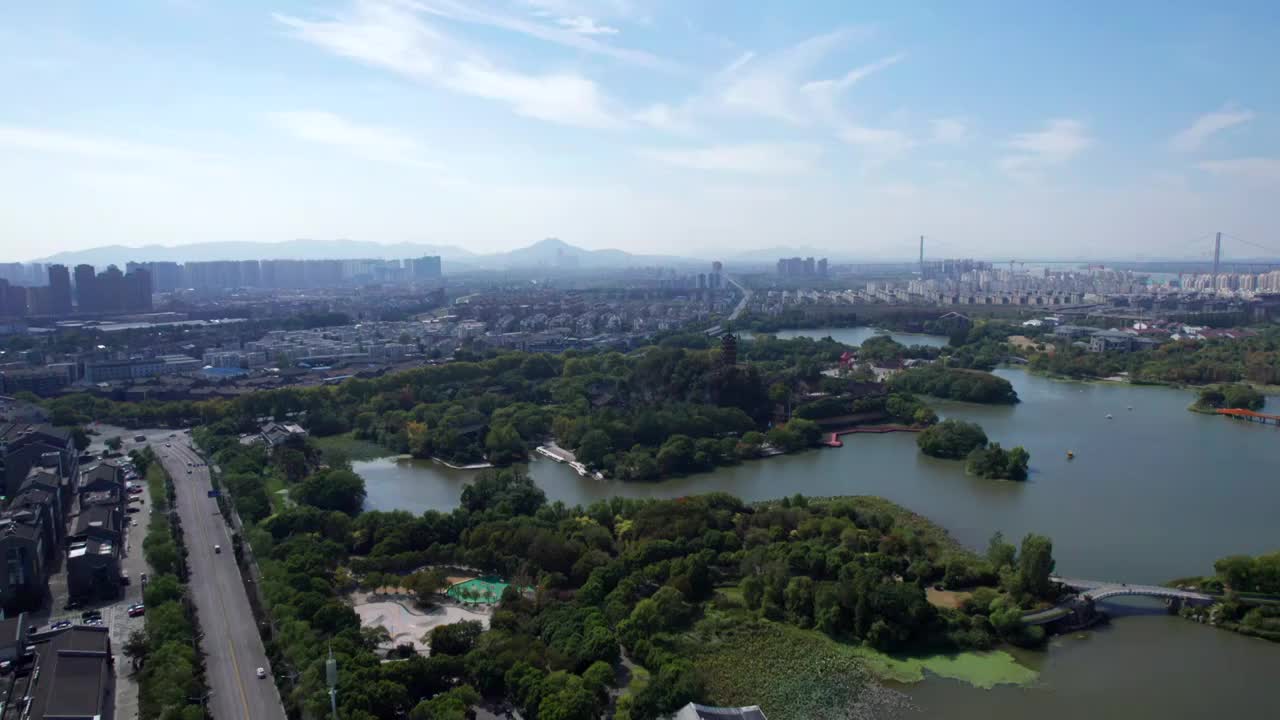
(654,128)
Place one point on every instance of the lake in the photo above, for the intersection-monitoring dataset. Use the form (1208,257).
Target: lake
(1152,494)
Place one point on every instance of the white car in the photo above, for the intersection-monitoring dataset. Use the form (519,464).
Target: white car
(262,673)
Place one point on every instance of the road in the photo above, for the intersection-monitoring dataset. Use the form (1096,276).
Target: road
(742,304)
(232,647)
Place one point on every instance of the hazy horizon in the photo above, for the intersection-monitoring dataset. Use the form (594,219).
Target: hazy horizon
(664,128)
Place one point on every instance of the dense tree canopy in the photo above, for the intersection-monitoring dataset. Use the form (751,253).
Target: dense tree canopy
(955,384)
(951,439)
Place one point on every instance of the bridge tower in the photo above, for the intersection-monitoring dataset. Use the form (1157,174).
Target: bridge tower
(921,257)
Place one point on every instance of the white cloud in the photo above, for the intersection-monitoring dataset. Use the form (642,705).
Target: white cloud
(749,158)
(1060,140)
(584,25)
(824,93)
(1205,126)
(950,131)
(772,85)
(1247,168)
(566,99)
(876,141)
(664,117)
(370,142)
(480,13)
(383,35)
(91,146)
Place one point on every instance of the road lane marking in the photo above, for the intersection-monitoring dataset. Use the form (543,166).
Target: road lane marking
(235,663)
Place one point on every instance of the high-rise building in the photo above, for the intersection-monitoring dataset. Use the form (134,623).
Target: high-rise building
(13,300)
(822,267)
(426,268)
(86,288)
(59,290)
(137,291)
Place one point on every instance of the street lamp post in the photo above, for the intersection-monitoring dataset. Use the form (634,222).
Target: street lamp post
(331,674)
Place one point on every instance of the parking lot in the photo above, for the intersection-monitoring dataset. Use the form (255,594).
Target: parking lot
(115,615)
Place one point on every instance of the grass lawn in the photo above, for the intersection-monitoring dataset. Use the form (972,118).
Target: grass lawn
(351,446)
(276,492)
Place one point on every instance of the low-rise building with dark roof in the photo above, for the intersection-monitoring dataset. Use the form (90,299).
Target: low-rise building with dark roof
(74,677)
(25,554)
(104,522)
(93,568)
(104,475)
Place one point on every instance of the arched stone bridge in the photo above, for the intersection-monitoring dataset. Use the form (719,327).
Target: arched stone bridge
(1098,590)
(1077,611)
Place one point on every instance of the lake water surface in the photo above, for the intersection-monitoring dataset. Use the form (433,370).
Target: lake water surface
(1154,493)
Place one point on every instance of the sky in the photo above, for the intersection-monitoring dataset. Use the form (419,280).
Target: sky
(996,129)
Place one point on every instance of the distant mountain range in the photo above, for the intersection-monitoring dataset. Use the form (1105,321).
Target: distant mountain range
(549,253)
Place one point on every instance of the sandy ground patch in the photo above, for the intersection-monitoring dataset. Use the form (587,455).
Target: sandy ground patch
(409,625)
(455,579)
(946,598)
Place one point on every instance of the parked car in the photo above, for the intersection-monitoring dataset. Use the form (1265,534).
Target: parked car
(60,624)
(262,673)
(137,610)
(133,509)
(91,614)
(217,549)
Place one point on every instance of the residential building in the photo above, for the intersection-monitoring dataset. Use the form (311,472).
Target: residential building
(25,579)
(73,677)
(1111,340)
(59,290)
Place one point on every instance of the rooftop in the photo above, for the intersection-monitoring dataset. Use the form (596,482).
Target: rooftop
(74,677)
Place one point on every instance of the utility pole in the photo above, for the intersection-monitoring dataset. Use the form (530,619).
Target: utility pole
(1217,255)
(331,674)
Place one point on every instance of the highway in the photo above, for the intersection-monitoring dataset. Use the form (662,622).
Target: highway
(742,304)
(232,647)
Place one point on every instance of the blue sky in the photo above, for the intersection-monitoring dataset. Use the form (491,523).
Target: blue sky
(996,128)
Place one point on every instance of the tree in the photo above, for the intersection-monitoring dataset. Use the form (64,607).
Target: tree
(676,455)
(951,439)
(997,463)
(114,443)
(565,697)
(1035,565)
(80,438)
(780,394)
(1000,554)
(593,447)
(799,598)
(753,591)
(504,445)
(136,648)
(456,638)
(451,705)
(425,584)
(340,490)
(1236,571)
